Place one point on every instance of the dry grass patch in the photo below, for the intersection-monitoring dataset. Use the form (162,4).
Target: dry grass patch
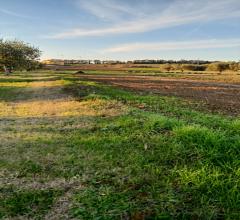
(33,85)
(62,107)
(46,99)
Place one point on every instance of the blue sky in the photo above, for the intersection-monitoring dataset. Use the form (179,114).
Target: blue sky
(126,29)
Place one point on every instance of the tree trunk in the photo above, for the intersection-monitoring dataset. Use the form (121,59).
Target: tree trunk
(6,70)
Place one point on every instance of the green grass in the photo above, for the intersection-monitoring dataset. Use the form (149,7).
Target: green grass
(160,158)
(8,93)
(32,203)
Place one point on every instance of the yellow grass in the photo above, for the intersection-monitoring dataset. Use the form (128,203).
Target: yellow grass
(60,108)
(46,100)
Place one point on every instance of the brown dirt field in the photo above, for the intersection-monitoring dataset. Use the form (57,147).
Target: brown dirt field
(218,97)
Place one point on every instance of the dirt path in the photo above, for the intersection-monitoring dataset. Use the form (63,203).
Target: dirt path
(221,97)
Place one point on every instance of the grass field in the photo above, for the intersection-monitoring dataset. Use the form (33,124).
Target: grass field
(74,149)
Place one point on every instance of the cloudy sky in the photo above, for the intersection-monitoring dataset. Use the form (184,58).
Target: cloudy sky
(126,29)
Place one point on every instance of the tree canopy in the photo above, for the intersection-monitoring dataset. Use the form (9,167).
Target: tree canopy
(18,55)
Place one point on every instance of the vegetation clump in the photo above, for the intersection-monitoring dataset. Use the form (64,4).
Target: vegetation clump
(18,55)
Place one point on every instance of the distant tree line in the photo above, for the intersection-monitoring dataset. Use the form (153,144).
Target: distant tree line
(214,67)
(163,65)
(199,62)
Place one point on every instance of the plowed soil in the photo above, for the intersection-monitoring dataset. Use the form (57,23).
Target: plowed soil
(218,97)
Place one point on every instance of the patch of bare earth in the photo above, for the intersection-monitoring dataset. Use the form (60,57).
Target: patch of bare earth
(218,97)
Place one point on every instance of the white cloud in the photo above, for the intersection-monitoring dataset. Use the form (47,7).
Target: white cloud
(175,45)
(139,19)
(109,10)
(12,13)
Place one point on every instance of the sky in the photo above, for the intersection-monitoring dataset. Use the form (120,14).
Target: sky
(125,29)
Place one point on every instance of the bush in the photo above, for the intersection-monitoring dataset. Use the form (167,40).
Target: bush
(190,67)
(166,67)
(234,66)
(219,67)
